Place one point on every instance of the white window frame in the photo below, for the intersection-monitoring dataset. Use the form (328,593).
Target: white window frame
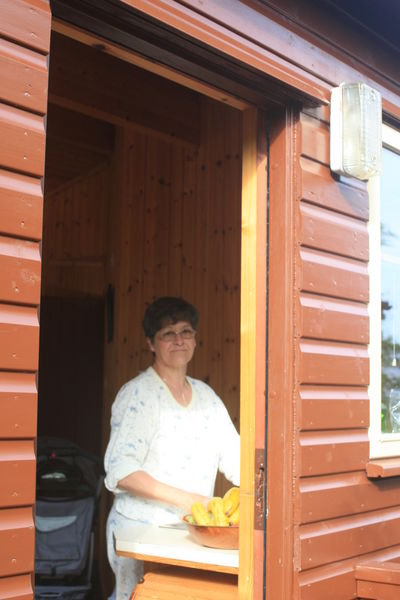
(382,445)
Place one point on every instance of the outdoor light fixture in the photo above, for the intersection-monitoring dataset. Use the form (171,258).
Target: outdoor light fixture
(356,130)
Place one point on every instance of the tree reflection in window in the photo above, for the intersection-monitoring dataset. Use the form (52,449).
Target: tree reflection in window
(390,290)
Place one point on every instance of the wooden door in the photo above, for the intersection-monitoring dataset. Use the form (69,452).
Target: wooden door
(25,36)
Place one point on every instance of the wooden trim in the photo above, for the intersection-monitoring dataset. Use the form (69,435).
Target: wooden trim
(260,366)
(385,467)
(236,46)
(248,351)
(90,39)
(281,359)
(383,572)
(378,580)
(180,563)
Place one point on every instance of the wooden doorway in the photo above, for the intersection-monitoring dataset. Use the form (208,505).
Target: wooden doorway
(143,197)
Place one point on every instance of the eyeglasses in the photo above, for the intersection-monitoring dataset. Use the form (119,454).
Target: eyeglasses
(170,335)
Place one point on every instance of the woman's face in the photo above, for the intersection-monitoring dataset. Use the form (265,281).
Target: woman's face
(174,345)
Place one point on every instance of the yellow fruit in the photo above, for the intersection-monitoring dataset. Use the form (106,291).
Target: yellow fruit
(216,507)
(231,501)
(200,514)
(234,518)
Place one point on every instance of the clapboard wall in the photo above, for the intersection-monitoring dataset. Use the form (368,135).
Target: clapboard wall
(24,46)
(341,517)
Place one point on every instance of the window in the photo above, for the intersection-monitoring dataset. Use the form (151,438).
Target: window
(384,229)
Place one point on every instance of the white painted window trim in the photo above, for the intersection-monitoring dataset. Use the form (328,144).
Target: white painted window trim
(382,445)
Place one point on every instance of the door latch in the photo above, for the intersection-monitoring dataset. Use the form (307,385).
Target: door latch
(259,490)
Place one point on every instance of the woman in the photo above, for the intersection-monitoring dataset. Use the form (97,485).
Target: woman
(170,434)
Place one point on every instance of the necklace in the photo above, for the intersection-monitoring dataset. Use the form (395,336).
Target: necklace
(179,396)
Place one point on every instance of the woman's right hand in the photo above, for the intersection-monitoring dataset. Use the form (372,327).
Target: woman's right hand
(142,484)
(191,499)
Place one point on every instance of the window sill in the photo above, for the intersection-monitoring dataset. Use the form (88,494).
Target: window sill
(383,467)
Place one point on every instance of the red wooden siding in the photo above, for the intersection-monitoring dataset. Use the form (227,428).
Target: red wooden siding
(24,45)
(341,517)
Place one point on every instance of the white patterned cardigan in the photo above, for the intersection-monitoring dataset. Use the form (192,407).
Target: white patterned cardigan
(181,446)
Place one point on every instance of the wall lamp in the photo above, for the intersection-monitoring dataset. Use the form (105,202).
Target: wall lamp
(356,131)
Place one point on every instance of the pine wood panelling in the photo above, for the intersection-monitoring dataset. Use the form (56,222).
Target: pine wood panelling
(180,234)
(21,205)
(17,538)
(82,82)
(19,271)
(330,319)
(19,338)
(25,133)
(75,235)
(18,405)
(23,74)
(333,407)
(17,473)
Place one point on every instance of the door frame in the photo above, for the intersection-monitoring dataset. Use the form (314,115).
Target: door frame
(253,581)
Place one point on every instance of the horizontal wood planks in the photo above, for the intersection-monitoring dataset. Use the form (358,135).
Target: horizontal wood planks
(18,399)
(24,46)
(75,234)
(18,587)
(17,538)
(17,473)
(378,581)
(341,517)
(21,205)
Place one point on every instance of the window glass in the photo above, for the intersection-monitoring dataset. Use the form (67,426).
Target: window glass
(390,290)
(384,306)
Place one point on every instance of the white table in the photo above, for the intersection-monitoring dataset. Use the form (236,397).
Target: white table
(173,546)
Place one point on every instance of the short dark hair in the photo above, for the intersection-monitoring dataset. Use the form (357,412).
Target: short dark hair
(166,311)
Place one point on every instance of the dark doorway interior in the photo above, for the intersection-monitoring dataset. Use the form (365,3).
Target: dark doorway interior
(71,368)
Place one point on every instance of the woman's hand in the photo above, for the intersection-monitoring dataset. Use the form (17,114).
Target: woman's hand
(142,484)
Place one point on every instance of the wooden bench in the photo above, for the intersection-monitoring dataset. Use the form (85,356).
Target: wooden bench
(378,581)
(178,583)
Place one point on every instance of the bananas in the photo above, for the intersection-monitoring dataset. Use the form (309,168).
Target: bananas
(231,501)
(234,518)
(216,508)
(222,512)
(200,514)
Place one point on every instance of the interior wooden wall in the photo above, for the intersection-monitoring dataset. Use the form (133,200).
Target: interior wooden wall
(175,230)
(149,210)
(75,235)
